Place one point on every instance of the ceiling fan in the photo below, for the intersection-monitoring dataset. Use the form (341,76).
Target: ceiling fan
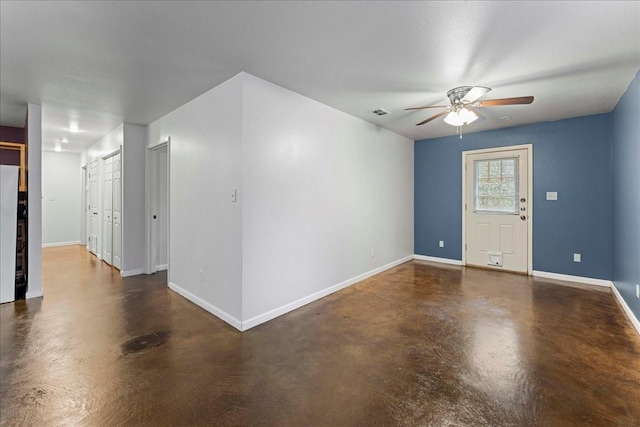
(464,101)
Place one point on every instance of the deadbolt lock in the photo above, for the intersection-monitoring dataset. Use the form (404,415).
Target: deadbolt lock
(523,217)
(522,200)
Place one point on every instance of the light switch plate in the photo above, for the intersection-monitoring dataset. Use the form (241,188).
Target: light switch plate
(577,258)
(552,195)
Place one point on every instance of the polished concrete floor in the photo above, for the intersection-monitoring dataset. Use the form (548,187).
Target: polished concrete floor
(420,344)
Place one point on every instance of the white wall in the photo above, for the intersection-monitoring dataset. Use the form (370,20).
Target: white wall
(34,200)
(322,189)
(61,198)
(108,144)
(133,199)
(317,190)
(205,226)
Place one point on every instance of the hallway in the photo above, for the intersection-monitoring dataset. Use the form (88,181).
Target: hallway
(420,344)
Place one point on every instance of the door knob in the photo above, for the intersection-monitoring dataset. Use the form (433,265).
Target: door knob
(522,200)
(522,217)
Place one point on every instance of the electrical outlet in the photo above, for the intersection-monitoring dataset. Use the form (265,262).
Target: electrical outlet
(373,253)
(577,258)
(441,243)
(201,275)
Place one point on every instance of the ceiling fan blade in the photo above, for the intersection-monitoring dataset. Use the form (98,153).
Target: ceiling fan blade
(428,106)
(432,118)
(475,93)
(505,101)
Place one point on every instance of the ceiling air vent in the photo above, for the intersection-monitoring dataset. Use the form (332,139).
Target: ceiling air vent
(380,112)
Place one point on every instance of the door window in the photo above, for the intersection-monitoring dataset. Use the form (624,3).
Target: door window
(496,186)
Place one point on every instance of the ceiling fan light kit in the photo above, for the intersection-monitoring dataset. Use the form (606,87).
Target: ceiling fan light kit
(461,116)
(463,100)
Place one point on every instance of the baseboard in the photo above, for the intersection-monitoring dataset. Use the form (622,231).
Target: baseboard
(52,245)
(436,259)
(626,308)
(221,314)
(162,267)
(128,273)
(272,314)
(34,294)
(569,278)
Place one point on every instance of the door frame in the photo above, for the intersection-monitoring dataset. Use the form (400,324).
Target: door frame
(84,190)
(151,190)
(529,148)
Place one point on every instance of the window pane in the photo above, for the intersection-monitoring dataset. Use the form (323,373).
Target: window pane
(496,185)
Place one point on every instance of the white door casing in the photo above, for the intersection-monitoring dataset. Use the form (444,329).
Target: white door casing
(497,208)
(117,211)
(107,204)
(154,162)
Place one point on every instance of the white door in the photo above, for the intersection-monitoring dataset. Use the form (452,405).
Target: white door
(116,250)
(87,212)
(93,207)
(497,210)
(107,204)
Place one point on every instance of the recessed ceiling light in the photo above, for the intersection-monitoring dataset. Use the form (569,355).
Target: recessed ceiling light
(58,149)
(505,118)
(73,127)
(64,140)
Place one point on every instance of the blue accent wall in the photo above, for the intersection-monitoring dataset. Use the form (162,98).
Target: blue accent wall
(626,195)
(572,157)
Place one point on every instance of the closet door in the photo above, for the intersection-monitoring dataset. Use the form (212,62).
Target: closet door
(93,207)
(107,205)
(117,211)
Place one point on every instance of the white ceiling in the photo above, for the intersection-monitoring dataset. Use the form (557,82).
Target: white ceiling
(101,63)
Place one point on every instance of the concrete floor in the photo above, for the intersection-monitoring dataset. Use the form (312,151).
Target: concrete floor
(420,344)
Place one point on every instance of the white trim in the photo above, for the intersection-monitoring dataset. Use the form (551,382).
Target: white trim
(162,267)
(34,294)
(51,245)
(151,201)
(132,272)
(436,259)
(529,148)
(569,278)
(272,314)
(625,307)
(111,154)
(161,143)
(221,314)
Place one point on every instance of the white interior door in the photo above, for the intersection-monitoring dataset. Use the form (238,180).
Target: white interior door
(158,202)
(497,210)
(116,250)
(85,200)
(107,204)
(93,207)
